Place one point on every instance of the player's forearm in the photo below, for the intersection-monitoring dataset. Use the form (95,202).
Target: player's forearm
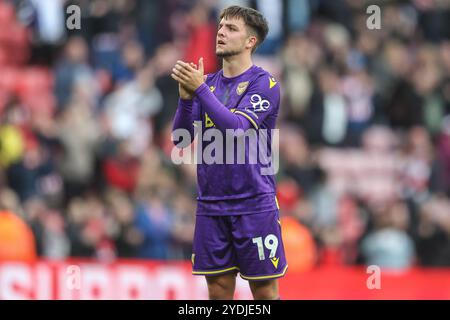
(183,118)
(219,114)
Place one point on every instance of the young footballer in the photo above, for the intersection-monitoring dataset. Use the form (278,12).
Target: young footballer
(237,221)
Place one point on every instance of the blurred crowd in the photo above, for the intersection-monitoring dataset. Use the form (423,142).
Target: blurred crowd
(364,125)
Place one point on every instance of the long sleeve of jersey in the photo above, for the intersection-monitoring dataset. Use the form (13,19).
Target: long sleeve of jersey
(183,117)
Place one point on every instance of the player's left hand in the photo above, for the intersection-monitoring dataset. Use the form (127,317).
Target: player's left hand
(188,76)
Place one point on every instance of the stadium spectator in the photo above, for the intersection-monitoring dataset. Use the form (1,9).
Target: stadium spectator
(16,239)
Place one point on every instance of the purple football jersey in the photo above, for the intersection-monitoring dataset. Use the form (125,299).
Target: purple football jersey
(239,188)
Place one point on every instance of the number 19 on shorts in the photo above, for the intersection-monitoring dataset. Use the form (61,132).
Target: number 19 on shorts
(270,242)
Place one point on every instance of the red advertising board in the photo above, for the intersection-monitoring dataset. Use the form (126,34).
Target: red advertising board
(134,279)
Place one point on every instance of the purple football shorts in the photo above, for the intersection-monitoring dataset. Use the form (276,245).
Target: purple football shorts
(250,244)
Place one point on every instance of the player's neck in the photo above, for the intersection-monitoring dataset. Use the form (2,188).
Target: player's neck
(234,66)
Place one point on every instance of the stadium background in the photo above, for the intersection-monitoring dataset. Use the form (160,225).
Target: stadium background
(86,178)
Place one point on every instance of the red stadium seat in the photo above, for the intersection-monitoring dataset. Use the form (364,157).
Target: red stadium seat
(7,14)
(4,59)
(34,80)
(8,79)
(43,102)
(5,35)
(4,97)
(19,35)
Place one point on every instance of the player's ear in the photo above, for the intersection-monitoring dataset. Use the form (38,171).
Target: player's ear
(251,42)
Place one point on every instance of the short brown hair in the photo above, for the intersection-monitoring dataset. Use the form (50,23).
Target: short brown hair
(252,18)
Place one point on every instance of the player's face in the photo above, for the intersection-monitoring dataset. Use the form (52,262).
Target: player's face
(232,37)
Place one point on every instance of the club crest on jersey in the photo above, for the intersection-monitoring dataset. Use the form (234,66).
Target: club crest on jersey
(241,87)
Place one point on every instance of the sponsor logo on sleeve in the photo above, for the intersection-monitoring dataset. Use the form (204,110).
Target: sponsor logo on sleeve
(259,104)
